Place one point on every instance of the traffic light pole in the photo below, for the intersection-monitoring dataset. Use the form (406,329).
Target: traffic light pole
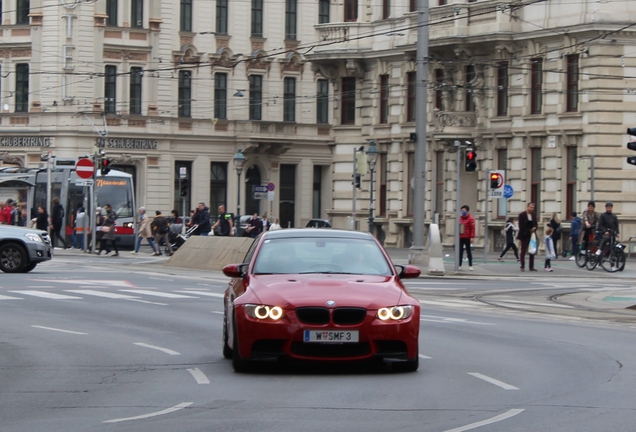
(486,219)
(458,147)
(353,182)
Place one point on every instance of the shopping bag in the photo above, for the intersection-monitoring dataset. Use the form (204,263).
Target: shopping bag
(532,247)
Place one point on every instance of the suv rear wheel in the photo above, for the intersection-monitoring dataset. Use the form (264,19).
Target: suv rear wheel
(13,258)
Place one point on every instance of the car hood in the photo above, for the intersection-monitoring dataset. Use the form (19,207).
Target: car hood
(371,292)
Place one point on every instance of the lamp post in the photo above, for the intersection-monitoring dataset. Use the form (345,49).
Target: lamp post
(372,158)
(239,163)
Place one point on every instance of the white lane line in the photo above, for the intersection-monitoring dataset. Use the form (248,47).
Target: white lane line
(521,303)
(47,295)
(155,414)
(217,312)
(41,286)
(498,383)
(157,294)
(422,356)
(202,293)
(500,417)
(199,376)
(147,302)
(166,350)
(3,297)
(449,304)
(101,294)
(445,320)
(58,330)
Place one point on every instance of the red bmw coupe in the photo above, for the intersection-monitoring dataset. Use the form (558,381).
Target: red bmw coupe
(319,295)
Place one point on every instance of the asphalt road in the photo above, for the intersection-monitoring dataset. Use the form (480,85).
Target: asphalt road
(102,344)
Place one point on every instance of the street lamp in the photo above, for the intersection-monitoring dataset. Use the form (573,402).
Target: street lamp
(372,157)
(239,163)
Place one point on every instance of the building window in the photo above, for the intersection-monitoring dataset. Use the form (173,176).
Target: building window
(218,185)
(570,198)
(382,176)
(573,83)
(410,98)
(384,98)
(290,19)
(110,89)
(323,11)
(386,9)
(535,179)
(439,80)
(412,5)
(135,90)
(469,104)
(536,91)
(351,10)
(137,13)
(317,189)
(111,11)
(442,2)
(502,164)
(220,95)
(322,101)
(186,15)
(256,97)
(257,18)
(23,10)
(22,88)
(348,104)
(502,89)
(439,183)
(221,16)
(185,94)
(289,100)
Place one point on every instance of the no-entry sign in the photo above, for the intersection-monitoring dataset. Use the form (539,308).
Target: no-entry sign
(85,168)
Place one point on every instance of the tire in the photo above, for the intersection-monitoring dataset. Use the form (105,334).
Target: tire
(592,261)
(13,258)
(30,266)
(564,254)
(227,351)
(621,260)
(614,264)
(580,258)
(238,363)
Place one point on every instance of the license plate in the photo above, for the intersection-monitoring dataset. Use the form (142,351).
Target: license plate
(330,336)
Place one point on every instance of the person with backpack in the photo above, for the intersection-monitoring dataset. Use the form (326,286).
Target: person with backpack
(511,230)
(108,231)
(161,229)
(575,228)
(57,223)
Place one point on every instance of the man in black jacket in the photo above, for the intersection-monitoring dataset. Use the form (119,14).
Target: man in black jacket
(607,225)
(57,222)
(202,219)
(225,222)
(527,227)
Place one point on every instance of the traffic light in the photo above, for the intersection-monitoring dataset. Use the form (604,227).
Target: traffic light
(356,180)
(185,186)
(471,160)
(104,166)
(495,180)
(631,145)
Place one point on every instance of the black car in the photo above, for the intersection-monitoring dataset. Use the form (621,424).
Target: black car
(318,223)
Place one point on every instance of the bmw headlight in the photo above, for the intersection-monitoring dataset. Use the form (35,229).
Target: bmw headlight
(395,313)
(34,237)
(264,312)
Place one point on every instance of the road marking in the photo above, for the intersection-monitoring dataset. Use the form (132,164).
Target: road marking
(203,293)
(47,295)
(101,294)
(521,303)
(147,302)
(199,376)
(41,286)
(111,283)
(3,297)
(498,383)
(155,414)
(157,294)
(500,417)
(449,304)
(166,350)
(439,319)
(58,330)
(422,356)
(217,312)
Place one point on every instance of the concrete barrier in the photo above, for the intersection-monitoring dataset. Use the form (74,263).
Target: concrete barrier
(435,256)
(210,252)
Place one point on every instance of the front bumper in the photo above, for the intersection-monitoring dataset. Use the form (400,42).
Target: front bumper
(39,252)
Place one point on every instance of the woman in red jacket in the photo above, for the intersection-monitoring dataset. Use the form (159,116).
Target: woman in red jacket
(466,236)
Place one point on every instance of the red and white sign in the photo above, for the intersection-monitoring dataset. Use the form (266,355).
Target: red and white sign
(85,168)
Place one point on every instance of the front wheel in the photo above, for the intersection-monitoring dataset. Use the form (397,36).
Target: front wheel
(13,258)
(30,266)
(592,261)
(580,258)
(609,261)
(227,351)
(238,363)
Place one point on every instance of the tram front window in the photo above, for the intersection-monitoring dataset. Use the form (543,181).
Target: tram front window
(118,193)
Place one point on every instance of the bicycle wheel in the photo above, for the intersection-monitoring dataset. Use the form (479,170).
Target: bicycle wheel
(592,261)
(620,260)
(580,258)
(609,260)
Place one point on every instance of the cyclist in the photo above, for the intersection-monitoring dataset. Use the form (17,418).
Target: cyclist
(589,220)
(607,225)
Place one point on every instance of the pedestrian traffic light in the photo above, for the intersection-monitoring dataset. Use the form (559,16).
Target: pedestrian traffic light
(104,166)
(185,186)
(356,180)
(471,160)
(496,180)
(631,145)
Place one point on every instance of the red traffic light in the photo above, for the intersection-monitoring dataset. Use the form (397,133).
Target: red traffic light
(470,155)
(496,180)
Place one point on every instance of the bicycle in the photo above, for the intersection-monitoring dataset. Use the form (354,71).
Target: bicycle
(586,257)
(612,257)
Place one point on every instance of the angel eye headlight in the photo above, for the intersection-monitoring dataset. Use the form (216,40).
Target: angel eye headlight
(264,312)
(261,312)
(395,313)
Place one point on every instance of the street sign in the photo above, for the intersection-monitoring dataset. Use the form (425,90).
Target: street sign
(270,187)
(84,168)
(183,172)
(271,195)
(508,191)
(84,183)
(497,192)
(260,192)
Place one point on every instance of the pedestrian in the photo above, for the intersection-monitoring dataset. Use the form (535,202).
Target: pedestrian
(607,226)
(589,221)
(192,218)
(275,226)
(202,220)
(265,222)
(527,227)
(557,228)
(161,228)
(550,251)
(466,236)
(144,231)
(108,231)
(80,226)
(42,219)
(16,215)
(225,222)
(99,222)
(511,231)
(254,226)
(6,212)
(57,222)
(575,228)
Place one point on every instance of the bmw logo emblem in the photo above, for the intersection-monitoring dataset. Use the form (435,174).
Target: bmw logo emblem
(331,303)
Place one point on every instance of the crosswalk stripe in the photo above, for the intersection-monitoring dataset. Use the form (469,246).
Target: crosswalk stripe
(102,294)
(157,294)
(3,297)
(203,293)
(47,295)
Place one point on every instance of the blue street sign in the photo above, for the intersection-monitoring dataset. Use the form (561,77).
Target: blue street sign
(508,191)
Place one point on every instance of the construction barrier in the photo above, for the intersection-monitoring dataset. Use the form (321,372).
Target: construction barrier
(210,252)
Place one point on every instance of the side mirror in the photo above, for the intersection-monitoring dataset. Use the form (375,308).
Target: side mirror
(408,271)
(235,270)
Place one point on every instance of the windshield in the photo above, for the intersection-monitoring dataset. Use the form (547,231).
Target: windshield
(118,193)
(321,255)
